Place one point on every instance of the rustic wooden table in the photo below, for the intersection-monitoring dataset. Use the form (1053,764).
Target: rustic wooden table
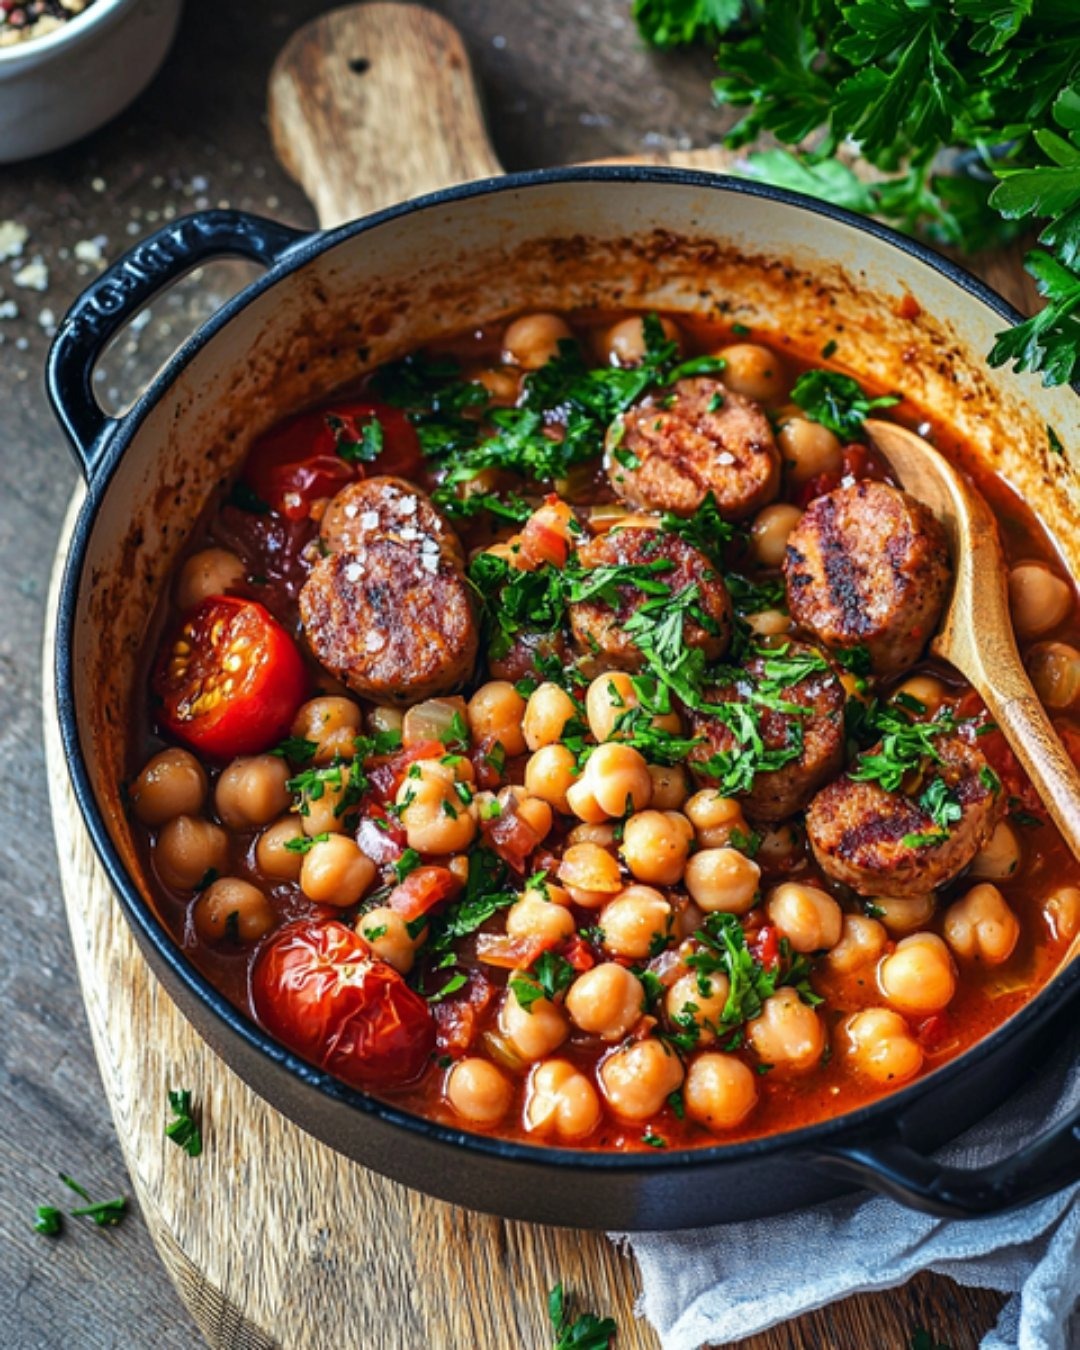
(563,81)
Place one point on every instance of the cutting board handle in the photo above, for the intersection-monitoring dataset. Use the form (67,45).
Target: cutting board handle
(372,104)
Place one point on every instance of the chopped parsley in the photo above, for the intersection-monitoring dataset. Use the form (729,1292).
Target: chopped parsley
(654,1140)
(549,976)
(486,893)
(837,402)
(363,451)
(452,985)
(183,1129)
(706,529)
(724,950)
(906,746)
(408,862)
(587,1332)
(298,749)
(48,1221)
(304,844)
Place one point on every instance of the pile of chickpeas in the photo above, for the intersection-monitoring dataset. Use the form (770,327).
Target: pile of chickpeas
(642,855)
(643,858)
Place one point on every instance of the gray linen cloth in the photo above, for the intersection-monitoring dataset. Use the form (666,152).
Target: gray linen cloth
(712,1286)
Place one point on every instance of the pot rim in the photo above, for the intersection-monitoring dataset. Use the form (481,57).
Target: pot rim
(872,1119)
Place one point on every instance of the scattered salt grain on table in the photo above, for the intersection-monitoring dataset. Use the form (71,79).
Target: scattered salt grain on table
(34,276)
(12,238)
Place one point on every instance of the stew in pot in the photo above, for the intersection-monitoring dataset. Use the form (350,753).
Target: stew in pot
(541,736)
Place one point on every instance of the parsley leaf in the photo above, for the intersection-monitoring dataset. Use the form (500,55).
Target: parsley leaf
(587,1332)
(837,401)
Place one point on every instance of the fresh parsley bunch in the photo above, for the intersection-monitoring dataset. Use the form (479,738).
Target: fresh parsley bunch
(969,110)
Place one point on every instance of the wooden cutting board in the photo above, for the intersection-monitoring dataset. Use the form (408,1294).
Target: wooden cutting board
(271,1238)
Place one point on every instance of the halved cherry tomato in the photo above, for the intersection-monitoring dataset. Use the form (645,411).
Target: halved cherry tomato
(319,990)
(422,889)
(299,460)
(230,679)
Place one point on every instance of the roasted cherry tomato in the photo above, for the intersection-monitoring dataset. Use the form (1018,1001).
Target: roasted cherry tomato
(308,457)
(230,679)
(319,990)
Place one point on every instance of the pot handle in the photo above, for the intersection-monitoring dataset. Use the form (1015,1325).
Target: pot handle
(891,1167)
(122,290)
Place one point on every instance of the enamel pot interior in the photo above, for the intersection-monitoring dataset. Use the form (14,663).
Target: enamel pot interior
(372,291)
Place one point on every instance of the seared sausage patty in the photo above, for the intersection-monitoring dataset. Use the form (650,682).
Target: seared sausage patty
(777,793)
(883,843)
(392,619)
(868,566)
(385,506)
(674,448)
(599,625)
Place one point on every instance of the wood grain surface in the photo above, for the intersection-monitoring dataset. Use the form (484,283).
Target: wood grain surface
(348,1259)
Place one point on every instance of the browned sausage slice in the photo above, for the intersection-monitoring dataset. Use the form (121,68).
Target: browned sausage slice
(599,626)
(392,619)
(818,731)
(385,506)
(884,843)
(675,447)
(868,566)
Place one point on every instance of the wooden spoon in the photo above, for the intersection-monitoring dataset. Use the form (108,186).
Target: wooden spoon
(976,633)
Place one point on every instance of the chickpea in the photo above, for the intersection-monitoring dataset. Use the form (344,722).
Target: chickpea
(714,818)
(769,623)
(904,916)
(655,846)
(753,371)
(1062,911)
(458,866)
(332,723)
(880,1045)
(533,340)
(504,386)
(387,934)
(1039,599)
(272,857)
(327,813)
(862,941)
(619,778)
(926,690)
(590,874)
(603,834)
(187,849)
(533,916)
(638,1079)
(808,449)
(687,1004)
(919,977)
(981,926)
(172,783)
(232,908)
(582,802)
(478,1092)
(670,786)
(1054,668)
(386,720)
(723,880)
(610,697)
(809,918)
(534,811)
(335,872)
(999,857)
(637,923)
(788,1033)
(497,710)
(535,1032)
(549,774)
(546,714)
(435,817)
(606,1001)
(769,532)
(778,845)
(624,343)
(561,1101)
(720,1091)
(251,792)
(211,571)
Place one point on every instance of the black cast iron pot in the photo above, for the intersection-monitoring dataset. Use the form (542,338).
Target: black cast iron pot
(333,303)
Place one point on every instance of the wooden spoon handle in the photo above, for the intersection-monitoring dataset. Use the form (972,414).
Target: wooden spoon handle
(373,104)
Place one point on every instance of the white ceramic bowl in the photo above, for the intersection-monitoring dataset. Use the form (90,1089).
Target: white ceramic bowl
(60,87)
